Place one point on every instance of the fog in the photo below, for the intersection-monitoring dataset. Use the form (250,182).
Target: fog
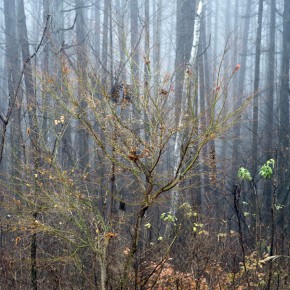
(144,144)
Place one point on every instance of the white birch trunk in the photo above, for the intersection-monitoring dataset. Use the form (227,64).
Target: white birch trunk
(184,104)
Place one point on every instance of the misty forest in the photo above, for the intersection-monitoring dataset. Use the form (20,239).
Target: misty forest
(144,144)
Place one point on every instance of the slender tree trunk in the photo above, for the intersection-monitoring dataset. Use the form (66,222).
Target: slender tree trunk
(284,81)
(226,64)
(185,17)
(134,12)
(112,206)
(66,152)
(12,50)
(241,83)
(97,35)
(256,89)
(105,44)
(46,69)
(33,256)
(284,126)
(82,142)
(216,25)
(157,42)
(120,10)
(186,52)
(270,81)
(33,124)
(147,68)
(268,149)
(255,197)
(187,101)
(28,79)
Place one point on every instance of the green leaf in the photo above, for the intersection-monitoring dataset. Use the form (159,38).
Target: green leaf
(267,169)
(244,174)
(148,225)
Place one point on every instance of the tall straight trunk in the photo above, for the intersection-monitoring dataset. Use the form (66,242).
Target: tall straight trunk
(157,42)
(226,61)
(202,82)
(185,54)
(147,80)
(187,102)
(105,43)
(3,103)
(147,67)
(97,42)
(230,58)
(284,127)
(270,78)
(284,81)
(111,44)
(121,8)
(112,205)
(14,99)
(33,123)
(104,84)
(28,77)
(13,76)
(236,27)
(209,152)
(202,166)
(82,140)
(134,14)
(146,46)
(256,90)
(46,69)
(270,81)
(66,151)
(240,92)
(185,17)
(216,25)
(255,198)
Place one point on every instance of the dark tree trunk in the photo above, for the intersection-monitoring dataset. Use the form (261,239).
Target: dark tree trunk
(97,34)
(236,160)
(255,132)
(157,43)
(121,9)
(105,44)
(256,89)
(284,138)
(28,79)
(82,142)
(269,116)
(134,12)
(33,124)
(185,16)
(270,82)
(13,75)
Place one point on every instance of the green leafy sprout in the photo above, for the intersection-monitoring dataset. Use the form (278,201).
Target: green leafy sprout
(267,169)
(168,217)
(244,174)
